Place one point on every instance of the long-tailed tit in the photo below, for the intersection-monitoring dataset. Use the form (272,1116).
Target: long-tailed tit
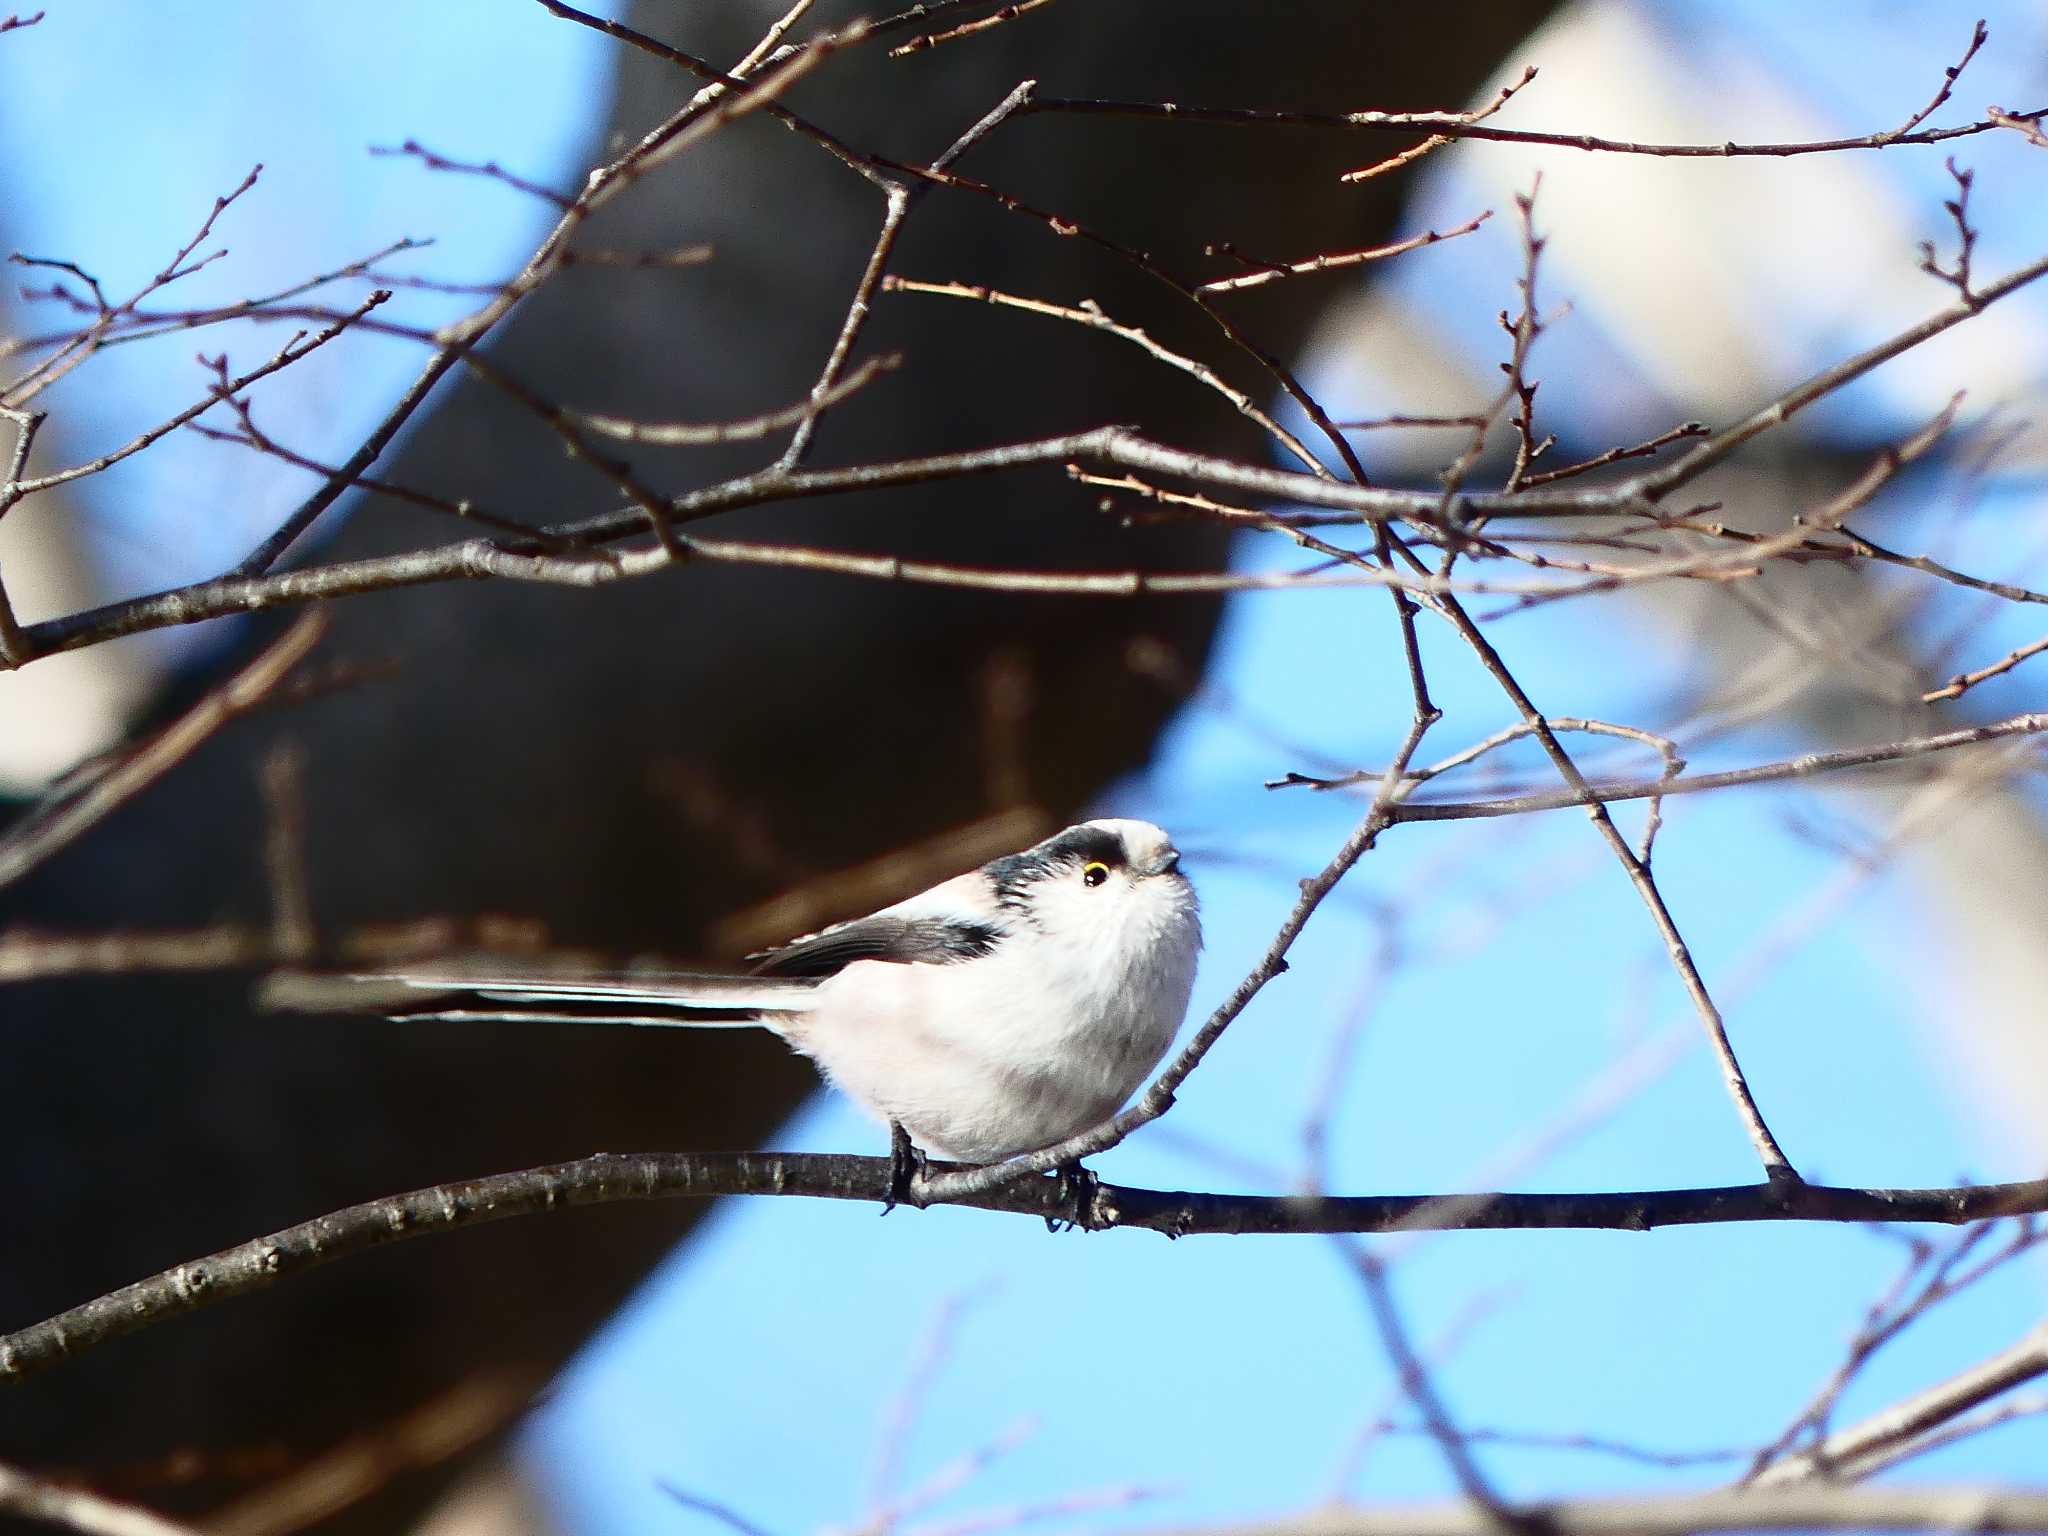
(999,1012)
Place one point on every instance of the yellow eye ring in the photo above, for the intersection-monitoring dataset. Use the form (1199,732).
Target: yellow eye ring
(1094,872)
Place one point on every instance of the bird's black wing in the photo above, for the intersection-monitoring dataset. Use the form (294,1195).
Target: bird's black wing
(885,936)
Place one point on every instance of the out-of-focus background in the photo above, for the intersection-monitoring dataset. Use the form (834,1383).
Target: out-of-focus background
(1481,1005)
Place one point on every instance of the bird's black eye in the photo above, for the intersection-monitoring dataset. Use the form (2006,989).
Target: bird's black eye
(1094,872)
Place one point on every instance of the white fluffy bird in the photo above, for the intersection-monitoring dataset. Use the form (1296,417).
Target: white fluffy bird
(999,1012)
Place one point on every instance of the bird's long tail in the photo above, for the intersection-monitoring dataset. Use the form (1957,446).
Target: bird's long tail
(504,993)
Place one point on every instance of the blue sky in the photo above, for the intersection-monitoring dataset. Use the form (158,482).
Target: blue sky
(187,98)
(757,1368)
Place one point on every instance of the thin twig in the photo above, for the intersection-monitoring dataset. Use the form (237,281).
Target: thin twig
(1958,275)
(86,343)
(1777,1167)
(1811,764)
(14,651)
(1679,433)
(724,1514)
(1416,1385)
(31,954)
(1458,125)
(1691,465)
(249,436)
(1978,36)
(284,852)
(73,809)
(1842,1454)
(1963,682)
(1336,261)
(290,353)
(967,28)
(683,434)
(1595,1445)
(682,131)
(1429,146)
(2026,124)
(489,170)
(899,197)
(1090,314)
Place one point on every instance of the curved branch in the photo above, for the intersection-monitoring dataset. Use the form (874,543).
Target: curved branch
(607,1179)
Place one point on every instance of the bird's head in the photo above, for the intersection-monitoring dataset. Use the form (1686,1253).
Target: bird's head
(1103,887)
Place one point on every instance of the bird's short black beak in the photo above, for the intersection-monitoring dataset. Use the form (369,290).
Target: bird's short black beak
(1169,863)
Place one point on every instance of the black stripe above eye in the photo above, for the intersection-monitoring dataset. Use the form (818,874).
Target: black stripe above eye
(1014,875)
(1080,845)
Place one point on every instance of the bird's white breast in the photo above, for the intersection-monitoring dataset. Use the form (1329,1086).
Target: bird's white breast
(1047,1035)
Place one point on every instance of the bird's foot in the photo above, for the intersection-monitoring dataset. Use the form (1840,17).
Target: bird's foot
(1074,1193)
(906,1166)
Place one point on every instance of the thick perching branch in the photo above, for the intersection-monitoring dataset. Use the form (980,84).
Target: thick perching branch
(608,1179)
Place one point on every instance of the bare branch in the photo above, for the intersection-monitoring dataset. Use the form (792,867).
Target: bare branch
(1799,1508)
(687,434)
(1090,314)
(1679,433)
(1689,466)
(1807,766)
(1415,1383)
(1845,1455)
(82,346)
(1459,125)
(30,954)
(899,198)
(286,355)
(968,28)
(74,808)
(250,436)
(489,170)
(724,1514)
(1963,682)
(1407,157)
(1776,1165)
(607,1179)
(1978,35)
(1336,261)
(13,644)
(1958,275)
(284,853)
(2026,124)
